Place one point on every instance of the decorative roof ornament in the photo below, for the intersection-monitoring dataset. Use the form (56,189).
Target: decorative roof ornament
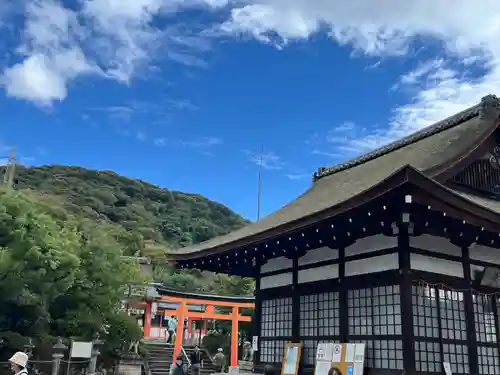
(494,158)
(490,107)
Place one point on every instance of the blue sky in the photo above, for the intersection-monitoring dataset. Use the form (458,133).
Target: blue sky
(184,93)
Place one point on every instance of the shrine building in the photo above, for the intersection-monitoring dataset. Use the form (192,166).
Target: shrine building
(160,303)
(399,249)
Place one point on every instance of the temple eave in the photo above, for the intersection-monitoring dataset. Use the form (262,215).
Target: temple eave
(432,208)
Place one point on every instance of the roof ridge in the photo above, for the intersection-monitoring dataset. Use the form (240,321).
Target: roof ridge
(487,102)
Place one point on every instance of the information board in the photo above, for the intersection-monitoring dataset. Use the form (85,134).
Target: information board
(291,358)
(255,343)
(340,359)
(81,349)
(324,357)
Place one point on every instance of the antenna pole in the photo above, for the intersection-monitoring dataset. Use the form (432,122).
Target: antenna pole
(259,186)
(10,169)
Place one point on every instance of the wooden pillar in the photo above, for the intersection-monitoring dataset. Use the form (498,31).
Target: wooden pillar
(295,300)
(405,289)
(234,337)
(190,326)
(469,313)
(257,318)
(205,326)
(147,320)
(160,316)
(181,311)
(343,301)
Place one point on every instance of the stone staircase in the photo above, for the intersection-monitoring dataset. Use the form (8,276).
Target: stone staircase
(160,357)
(208,367)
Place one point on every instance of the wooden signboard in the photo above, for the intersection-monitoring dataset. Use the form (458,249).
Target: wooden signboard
(291,358)
(324,357)
(346,359)
(350,360)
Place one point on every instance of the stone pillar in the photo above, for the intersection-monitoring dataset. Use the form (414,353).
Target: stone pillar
(28,349)
(95,353)
(130,364)
(57,355)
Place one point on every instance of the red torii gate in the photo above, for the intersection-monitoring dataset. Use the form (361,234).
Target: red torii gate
(182,300)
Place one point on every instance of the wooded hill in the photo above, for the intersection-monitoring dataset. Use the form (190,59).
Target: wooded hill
(143,218)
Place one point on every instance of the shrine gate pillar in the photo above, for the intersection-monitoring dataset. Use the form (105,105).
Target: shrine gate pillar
(181,313)
(147,320)
(234,337)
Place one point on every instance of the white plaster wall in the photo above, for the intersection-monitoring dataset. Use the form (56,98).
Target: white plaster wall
(318,255)
(275,264)
(275,281)
(371,243)
(319,273)
(436,265)
(475,268)
(372,265)
(435,244)
(484,253)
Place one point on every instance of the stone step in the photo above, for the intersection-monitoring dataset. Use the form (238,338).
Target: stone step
(160,369)
(160,361)
(159,364)
(160,356)
(154,348)
(164,362)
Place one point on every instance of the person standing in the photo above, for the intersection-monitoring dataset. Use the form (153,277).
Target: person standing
(178,368)
(172,328)
(195,358)
(219,360)
(18,363)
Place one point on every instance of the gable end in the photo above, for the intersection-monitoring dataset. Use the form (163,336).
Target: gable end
(482,176)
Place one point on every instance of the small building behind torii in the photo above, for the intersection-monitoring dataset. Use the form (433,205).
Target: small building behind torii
(161,303)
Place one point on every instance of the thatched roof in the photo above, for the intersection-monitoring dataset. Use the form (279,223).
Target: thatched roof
(431,149)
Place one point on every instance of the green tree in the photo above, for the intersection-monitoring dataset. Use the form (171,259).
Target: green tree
(60,275)
(102,281)
(39,262)
(143,219)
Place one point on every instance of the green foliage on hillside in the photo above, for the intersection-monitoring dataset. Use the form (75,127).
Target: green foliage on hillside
(144,219)
(60,275)
(167,217)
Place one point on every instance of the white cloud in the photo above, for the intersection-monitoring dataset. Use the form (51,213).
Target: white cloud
(298,176)
(117,39)
(467,31)
(267,160)
(160,142)
(204,145)
(109,38)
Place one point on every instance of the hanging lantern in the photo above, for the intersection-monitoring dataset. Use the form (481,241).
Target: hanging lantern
(154,308)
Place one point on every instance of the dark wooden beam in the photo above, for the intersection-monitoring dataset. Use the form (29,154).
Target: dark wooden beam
(405,287)
(469,314)
(257,317)
(295,301)
(343,300)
